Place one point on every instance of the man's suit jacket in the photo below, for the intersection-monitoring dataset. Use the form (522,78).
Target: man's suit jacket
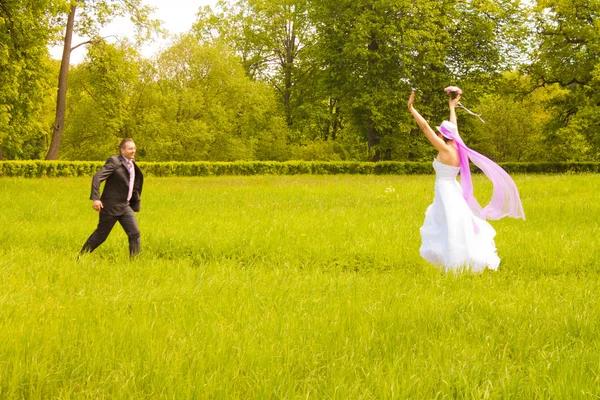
(116,188)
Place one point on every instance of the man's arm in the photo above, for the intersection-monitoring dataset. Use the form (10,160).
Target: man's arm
(98,178)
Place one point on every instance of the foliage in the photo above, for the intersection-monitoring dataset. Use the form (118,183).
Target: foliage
(273,40)
(92,15)
(203,107)
(514,121)
(311,79)
(374,51)
(103,94)
(193,103)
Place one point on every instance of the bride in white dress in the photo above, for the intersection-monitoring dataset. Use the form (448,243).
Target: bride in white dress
(455,235)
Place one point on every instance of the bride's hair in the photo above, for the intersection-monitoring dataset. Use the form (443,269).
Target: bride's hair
(444,138)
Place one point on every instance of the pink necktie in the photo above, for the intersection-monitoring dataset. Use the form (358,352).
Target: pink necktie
(131,178)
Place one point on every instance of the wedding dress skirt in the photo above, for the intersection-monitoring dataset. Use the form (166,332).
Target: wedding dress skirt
(452,237)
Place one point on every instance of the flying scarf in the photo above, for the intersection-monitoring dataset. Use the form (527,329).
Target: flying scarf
(505,200)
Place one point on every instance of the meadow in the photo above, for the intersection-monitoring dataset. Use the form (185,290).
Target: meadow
(295,287)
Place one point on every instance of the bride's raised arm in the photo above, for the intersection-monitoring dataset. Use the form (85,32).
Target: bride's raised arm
(429,133)
(452,103)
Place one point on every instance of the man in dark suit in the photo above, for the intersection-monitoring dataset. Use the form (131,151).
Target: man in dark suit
(119,200)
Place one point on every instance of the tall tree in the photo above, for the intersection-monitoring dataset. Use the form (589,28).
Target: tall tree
(567,52)
(193,102)
(103,93)
(269,36)
(202,106)
(25,29)
(86,17)
(373,51)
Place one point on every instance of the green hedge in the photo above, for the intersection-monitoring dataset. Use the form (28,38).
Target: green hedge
(282,168)
(38,169)
(50,169)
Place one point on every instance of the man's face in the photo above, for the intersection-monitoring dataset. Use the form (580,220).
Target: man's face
(128,151)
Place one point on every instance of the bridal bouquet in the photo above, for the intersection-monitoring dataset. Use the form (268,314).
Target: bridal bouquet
(454,92)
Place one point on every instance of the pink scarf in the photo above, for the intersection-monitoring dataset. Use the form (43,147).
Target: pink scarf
(505,200)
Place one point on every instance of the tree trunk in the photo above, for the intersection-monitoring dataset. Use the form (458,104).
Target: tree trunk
(336,121)
(61,98)
(287,93)
(372,134)
(333,122)
(372,139)
(287,71)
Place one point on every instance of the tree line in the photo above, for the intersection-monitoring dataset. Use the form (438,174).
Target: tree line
(302,80)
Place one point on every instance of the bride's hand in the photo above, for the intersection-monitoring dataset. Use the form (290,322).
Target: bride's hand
(411,99)
(454,102)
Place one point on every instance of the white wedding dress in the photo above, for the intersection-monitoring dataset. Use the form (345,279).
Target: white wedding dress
(452,237)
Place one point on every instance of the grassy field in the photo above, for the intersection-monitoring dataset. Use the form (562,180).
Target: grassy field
(295,287)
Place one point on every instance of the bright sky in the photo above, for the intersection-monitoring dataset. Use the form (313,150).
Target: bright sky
(177,17)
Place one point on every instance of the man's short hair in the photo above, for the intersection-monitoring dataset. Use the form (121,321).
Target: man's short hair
(124,142)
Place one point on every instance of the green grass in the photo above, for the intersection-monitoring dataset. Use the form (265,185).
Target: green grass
(295,287)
